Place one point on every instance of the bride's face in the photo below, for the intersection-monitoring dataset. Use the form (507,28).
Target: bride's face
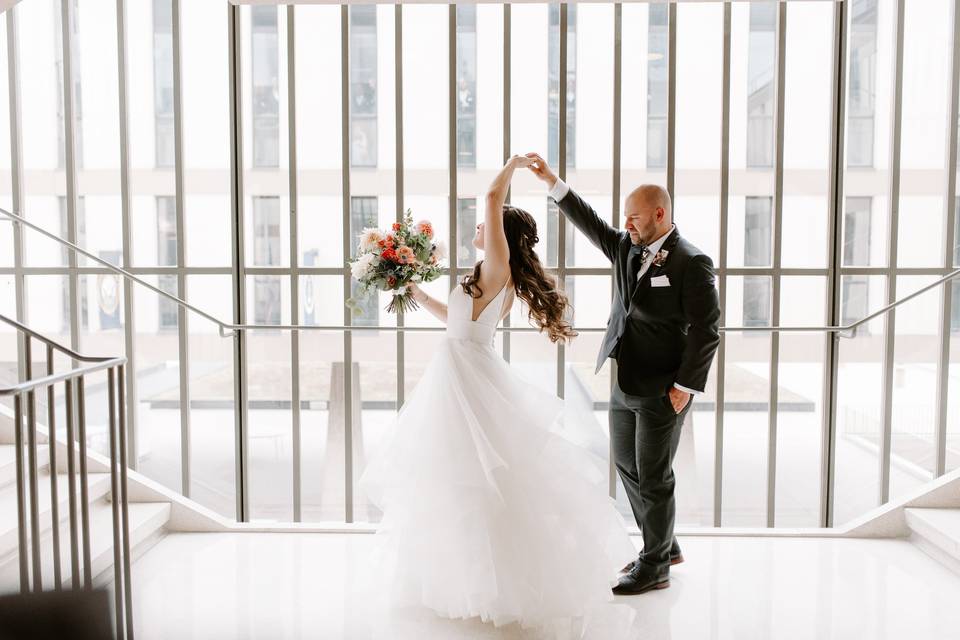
(478,238)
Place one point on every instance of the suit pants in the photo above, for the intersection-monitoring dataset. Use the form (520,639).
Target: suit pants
(645,433)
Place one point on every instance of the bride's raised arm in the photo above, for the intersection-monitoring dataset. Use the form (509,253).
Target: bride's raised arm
(496,251)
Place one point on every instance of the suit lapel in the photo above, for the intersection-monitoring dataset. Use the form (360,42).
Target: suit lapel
(643,286)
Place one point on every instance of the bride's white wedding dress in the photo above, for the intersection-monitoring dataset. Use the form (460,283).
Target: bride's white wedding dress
(488,511)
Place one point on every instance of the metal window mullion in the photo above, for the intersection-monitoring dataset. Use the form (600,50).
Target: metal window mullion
(16,181)
(562,171)
(834,278)
(125,212)
(241,411)
(452,138)
(507,76)
(398,131)
(70,155)
(949,216)
(671,98)
(890,333)
(182,318)
(722,264)
(772,414)
(615,199)
(347,315)
(294,265)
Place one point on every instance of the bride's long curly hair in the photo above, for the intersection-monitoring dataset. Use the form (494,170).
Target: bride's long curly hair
(546,302)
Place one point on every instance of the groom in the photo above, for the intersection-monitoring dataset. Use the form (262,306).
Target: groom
(663,333)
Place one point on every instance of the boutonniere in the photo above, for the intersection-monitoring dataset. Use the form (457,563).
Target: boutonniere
(660,258)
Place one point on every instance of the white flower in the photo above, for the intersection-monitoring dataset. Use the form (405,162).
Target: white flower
(440,250)
(369,239)
(362,266)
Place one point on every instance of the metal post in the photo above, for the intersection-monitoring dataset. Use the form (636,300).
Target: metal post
(21,495)
(452,141)
(70,154)
(294,261)
(615,199)
(52,466)
(398,175)
(671,99)
(84,489)
(890,332)
(237,271)
(507,56)
(722,266)
(949,218)
(69,400)
(115,499)
(773,402)
(183,330)
(347,316)
(32,475)
(125,504)
(16,181)
(562,174)
(834,278)
(125,209)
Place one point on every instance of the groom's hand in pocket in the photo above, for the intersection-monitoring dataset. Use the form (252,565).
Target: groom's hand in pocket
(678,399)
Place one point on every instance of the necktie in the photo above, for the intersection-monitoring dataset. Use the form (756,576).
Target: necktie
(635,260)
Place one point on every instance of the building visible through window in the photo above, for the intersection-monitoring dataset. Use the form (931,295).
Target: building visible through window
(761,62)
(855,296)
(265,63)
(861,105)
(163,82)
(167,257)
(466,230)
(657,74)
(553,86)
(363,85)
(757,252)
(467,85)
(77,98)
(363,213)
(266,253)
(65,260)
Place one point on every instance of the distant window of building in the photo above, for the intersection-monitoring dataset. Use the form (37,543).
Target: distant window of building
(266,253)
(163,82)
(167,257)
(363,213)
(657,75)
(467,85)
(761,62)
(363,85)
(553,88)
(265,63)
(466,230)
(857,221)
(757,252)
(65,260)
(861,107)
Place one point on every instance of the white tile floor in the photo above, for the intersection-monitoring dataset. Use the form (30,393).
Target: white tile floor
(255,585)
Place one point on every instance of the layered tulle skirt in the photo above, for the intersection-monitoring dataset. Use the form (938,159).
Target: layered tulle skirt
(489,511)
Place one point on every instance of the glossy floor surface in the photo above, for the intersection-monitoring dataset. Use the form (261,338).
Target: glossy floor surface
(286,585)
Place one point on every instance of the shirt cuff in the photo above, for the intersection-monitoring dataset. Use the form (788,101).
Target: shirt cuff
(559,190)
(684,389)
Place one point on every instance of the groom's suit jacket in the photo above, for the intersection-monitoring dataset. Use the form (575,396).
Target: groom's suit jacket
(658,335)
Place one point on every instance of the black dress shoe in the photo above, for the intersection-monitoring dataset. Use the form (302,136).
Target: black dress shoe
(640,581)
(675,558)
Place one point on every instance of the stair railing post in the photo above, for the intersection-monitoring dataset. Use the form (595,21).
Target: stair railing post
(115,500)
(84,488)
(21,495)
(52,466)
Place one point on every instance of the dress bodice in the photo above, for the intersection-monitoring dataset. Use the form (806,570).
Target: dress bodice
(460,323)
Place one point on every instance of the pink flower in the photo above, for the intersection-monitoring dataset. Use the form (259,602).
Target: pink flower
(405,255)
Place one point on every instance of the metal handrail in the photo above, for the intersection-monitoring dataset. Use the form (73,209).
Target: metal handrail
(28,512)
(229,329)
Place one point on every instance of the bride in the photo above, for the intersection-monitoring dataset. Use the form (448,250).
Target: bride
(488,511)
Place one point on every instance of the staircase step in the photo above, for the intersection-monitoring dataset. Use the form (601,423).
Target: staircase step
(937,532)
(98,487)
(147,521)
(8,462)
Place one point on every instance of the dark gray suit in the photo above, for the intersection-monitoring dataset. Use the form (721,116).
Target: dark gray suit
(659,336)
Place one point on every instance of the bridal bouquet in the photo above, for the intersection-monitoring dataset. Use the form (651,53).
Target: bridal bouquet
(389,261)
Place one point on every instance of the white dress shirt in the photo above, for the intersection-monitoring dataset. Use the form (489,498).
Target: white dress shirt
(559,191)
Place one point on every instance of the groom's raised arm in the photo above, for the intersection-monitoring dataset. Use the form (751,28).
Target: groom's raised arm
(581,214)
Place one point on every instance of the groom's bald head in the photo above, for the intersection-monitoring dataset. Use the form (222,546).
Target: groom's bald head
(648,213)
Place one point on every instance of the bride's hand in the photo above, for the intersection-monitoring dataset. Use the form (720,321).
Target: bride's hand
(418,294)
(520,162)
